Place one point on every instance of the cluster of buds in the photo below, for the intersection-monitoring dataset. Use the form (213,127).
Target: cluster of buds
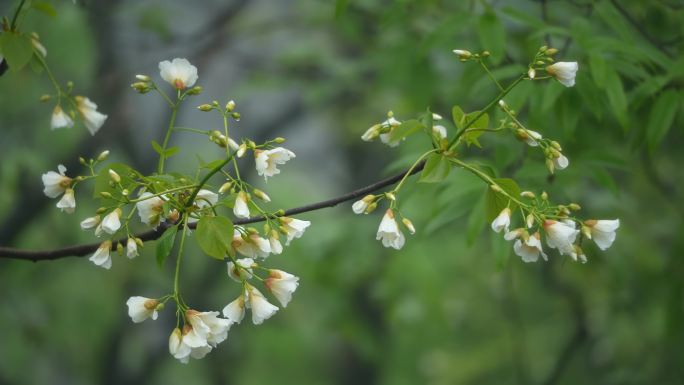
(228,110)
(465,55)
(564,72)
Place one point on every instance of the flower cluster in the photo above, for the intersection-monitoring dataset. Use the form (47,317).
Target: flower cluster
(172,203)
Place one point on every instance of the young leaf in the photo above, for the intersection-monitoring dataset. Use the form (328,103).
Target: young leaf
(661,118)
(458,116)
(214,236)
(495,201)
(157,147)
(17,49)
(165,244)
(405,129)
(481,123)
(436,169)
(171,151)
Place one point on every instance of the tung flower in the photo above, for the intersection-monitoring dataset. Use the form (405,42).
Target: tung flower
(141,308)
(111,222)
(60,119)
(282,285)
(502,221)
(261,308)
(92,118)
(602,231)
(360,206)
(274,241)
(150,209)
(253,247)
(294,228)
(530,137)
(529,249)
(177,348)
(91,222)
(208,326)
(68,201)
(389,231)
(56,183)
(386,137)
(241,270)
(268,160)
(131,248)
(564,72)
(101,256)
(241,209)
(205,198)
(179,73)
(560,235)
(235,311)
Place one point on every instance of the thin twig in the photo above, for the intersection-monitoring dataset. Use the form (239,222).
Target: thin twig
(85,249)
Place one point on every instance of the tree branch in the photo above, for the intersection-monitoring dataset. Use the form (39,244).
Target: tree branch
(85,249)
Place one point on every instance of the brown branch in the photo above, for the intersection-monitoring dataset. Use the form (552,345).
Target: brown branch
(85,249)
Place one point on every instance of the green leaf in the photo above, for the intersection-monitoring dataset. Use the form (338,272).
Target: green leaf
(436,169)
(45,8)
(165,244)
(495,201)
(405,129)
(481,123)
(492,36)
(616,97)
(157,147)
(171,151)
(214,236)
(662,116)
(458,116)
(17,49)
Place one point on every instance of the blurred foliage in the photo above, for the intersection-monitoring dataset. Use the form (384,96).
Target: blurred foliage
(454,306)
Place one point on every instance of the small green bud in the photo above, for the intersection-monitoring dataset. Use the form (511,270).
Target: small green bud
(527,194)
(114,176)
(196,90)
(82,161)
(280,213)
(138,242)
(105,194)
(143,78)
(101,210)
(119,248)
(485,53)
(551,51)
(252,230)
(543,48)
(496,188)
(45,98)
(225,187)
(556,145)
(279,140)
(125,192)
(205,107)
(230,106)
(544,196)
(574,207)
(235,115)
(371,207)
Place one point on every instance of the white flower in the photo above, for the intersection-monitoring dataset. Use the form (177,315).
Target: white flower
(253,247)
(371,133)
(261,308)
(439,131)
(91,222)
(68,201)
(56,183)
(235,311)
(208,326)
(243,269)
(92,119)
(60,118)
(389,231)
(206,198)
(294,228)
(268,160)
(386,137)
(502,221)
(564,72)
(111,222)
(141,308)
(177,348)
(561,162)
(531,138)
(241,209)
(602,231)
(436,116)
(179,73)
(282,285)
(560,235)
(274,241)
(101,256)
(530,249)
(150,209)
(131,248)
(513,234)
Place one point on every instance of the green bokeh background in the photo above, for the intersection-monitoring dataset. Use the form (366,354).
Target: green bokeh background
(455,305)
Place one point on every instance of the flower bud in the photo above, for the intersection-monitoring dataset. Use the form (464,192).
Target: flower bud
(143,78)
(125,192)
(138,242)
(543,48)
(103,155)
(529,221)
(391,196)
(114,176)
(574,207)
(196,90)
(527,194)
(101,210)
(409,225)
(496,188)
(462,54)
(280,213)
(371,207)
(544,196)
(586,231)
(82,161)
(230,106)
(531,73)
(261,195)
(225,187)
(45,98)
(368,198)
(551,52)
(502,104)
(549,165)
(279,140)
(205,107)
(241,150)
(119,248)
(236,116)
(556,145)
(105,194)
(485,53)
